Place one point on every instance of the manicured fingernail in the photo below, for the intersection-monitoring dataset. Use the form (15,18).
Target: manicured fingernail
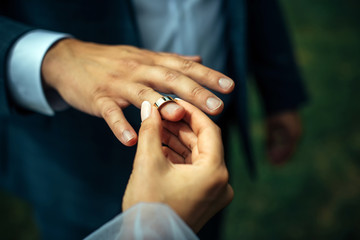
(213,103)
(145,110)
(225,83)
(171,108)
(127,135)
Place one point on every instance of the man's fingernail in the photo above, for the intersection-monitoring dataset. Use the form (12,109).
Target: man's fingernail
(145,110)
(213,103)
(127,135)
(225,83)
(171,108)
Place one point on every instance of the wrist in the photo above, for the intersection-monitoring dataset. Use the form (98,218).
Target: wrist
(52,67)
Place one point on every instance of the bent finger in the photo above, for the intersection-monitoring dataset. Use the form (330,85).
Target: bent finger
(117,122)
(172,156)
(209,139)
(183,132)
(174,143)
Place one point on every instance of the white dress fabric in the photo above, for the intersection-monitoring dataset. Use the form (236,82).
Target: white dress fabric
(145,221)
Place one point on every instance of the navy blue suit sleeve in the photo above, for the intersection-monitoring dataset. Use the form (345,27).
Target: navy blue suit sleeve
(271,58)
(10,31)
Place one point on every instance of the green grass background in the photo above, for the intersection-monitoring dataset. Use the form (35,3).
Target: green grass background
(316,195)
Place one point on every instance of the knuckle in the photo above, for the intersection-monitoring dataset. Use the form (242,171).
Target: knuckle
(229,195)
(108,111)
(165,138)
(221,178)
(189,145)
(117,127)
(185,154)
(197,91)
(132,64)
(143,93)
(171,76)
(129,64)
(208,74)
(217,129)
(166,151)
(187,65)
(99,91)
(113,76)
(147,129)
(98,102)
(224,179)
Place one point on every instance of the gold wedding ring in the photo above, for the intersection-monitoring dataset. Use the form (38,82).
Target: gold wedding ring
(161,101)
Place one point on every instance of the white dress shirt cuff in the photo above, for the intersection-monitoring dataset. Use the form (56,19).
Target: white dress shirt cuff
(24,72)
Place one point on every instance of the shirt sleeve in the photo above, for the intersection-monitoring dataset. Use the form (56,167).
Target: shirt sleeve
(145,221)
(24,72)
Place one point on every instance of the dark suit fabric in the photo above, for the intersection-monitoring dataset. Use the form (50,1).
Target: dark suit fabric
(70,166)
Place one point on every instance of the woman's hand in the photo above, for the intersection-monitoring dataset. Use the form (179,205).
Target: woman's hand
(188,174)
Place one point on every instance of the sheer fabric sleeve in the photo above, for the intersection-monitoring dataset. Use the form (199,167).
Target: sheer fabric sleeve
(145,221)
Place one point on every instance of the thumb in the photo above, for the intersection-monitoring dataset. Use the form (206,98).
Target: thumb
(149,141)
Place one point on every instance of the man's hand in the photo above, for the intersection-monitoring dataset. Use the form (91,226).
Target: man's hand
(102,80)
(188,174)
(283,133)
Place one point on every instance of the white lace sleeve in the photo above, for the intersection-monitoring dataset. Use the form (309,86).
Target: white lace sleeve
(145,221)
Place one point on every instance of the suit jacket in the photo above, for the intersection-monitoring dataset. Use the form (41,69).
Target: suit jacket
(71,166)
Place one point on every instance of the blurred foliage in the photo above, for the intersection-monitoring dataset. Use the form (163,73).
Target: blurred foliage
(16,219)
(316,195)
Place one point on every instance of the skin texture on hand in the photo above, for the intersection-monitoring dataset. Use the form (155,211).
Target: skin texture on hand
(101,80)
(188,173)
(283,134)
